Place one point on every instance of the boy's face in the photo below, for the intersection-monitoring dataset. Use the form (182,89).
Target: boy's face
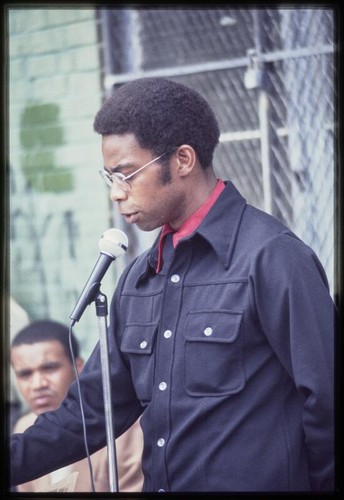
(43,373)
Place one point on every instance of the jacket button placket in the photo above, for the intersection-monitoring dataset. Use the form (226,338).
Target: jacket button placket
(164,366)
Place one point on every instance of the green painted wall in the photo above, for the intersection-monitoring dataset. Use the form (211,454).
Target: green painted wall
(58,205)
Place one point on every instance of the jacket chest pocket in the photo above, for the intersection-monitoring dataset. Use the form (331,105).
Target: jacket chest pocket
(138,342)
(213,362)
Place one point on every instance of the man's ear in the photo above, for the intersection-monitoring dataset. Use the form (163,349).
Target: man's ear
(79,363)
(186,159)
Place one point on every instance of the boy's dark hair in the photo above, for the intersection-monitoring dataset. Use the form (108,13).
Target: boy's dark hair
(162,114)
(47,330)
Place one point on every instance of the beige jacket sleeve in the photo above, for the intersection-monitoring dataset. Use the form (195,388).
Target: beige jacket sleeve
(129,448)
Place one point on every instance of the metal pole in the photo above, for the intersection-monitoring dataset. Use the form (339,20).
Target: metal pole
(263,110)
(265,148)
(101,308)
(255,78)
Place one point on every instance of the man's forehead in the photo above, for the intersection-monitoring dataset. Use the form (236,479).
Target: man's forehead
(37,351)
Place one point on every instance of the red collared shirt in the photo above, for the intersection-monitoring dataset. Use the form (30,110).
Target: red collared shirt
(191,223)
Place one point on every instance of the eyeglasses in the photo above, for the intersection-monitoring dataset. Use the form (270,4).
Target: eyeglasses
(122,179)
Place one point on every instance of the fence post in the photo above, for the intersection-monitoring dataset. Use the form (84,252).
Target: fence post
(265,147)
(255,78)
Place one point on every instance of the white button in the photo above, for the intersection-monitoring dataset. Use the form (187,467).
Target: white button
(162,386)
(161,490)
(167,334)
(208,331)
(143,344)
(161,442)
(175,278)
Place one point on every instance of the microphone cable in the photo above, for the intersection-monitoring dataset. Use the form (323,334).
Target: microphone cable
(81,410)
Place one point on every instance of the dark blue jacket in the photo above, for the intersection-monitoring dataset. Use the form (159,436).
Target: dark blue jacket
(228,355)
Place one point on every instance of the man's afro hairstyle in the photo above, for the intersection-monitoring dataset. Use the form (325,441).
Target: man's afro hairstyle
(162,114)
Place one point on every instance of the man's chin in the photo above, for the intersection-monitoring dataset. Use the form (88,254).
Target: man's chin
(38,410)
(147,226)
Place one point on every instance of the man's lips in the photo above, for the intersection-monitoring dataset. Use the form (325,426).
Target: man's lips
(131,218)
(42,401)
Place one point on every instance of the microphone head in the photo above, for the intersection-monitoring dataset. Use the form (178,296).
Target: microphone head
(113,242)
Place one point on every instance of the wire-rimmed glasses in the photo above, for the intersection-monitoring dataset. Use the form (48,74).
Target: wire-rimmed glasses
(122,179)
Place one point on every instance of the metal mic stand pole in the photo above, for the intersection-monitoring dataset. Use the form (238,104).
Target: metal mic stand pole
(102,311)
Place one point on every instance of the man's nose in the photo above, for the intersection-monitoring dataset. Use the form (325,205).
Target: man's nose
(38,380)
(118,193)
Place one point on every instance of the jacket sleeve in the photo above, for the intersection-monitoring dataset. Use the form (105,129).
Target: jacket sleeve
(297,315)
(56,438)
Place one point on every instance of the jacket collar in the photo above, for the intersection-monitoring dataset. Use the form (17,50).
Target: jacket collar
(221,225)
(218,229)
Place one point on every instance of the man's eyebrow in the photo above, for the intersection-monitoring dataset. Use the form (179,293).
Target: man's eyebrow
(119,167)
(24,372)
(44,366)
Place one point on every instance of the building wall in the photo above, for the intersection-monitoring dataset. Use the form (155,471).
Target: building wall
(58,204)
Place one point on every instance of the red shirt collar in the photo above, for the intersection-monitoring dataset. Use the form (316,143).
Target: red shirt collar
(191,223)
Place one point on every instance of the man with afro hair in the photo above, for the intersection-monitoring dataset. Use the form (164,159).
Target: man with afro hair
(221,334)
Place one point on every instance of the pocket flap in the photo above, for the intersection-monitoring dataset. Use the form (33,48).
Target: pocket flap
(139,338)
(212,326)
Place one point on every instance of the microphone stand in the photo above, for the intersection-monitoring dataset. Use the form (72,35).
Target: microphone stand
(102,312)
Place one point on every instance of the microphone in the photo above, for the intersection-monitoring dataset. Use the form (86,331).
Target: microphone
(112,244)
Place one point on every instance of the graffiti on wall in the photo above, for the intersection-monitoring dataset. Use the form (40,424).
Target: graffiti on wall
(43,229)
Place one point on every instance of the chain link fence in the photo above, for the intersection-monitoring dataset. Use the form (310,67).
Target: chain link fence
(269,75)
